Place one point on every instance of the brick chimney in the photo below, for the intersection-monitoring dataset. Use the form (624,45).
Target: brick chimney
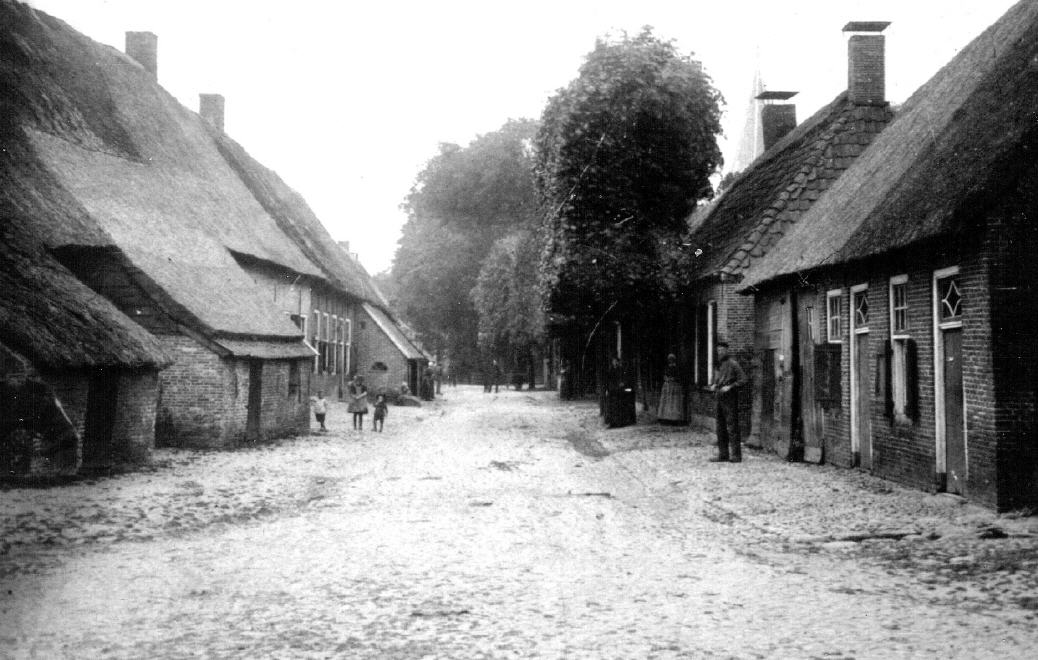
(210,106)
(866,79)
(144,47)
(777,119)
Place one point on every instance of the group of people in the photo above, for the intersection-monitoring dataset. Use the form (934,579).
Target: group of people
(357,405)
(729,379)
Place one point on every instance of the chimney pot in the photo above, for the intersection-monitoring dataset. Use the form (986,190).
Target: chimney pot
(211,106)
(777,119)
(144,47)
(866,63)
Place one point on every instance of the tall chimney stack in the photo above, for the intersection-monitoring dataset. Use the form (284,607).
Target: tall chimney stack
(866,78)
(777,119)
(210,106)
(144,47)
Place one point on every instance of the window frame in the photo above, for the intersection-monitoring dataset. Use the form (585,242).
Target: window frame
(830,296)
(853,310)
(895,332)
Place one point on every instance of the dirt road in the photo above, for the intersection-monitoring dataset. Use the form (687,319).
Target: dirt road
(506,526)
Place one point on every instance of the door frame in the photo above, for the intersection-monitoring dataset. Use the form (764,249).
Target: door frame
(854,331)
(940,431)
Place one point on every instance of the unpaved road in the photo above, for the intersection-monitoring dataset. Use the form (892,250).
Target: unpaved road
(506,526)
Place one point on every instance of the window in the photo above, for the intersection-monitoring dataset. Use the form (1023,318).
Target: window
(860,308)
(293,380)
(315,338)
(949,299)
(834,320)
(899,371)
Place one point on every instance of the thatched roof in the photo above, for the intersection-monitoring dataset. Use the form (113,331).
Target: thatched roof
(954,144)
(771,195)
(100,155)
(395,334)
(56,321)
(295,218)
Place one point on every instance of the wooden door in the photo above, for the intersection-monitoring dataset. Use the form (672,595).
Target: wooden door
(102,398)
(253,424)
(863,400)
(954,413)
(810,416)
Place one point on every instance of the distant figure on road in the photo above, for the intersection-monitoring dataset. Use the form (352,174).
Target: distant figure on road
(672,396)
(381,410)
(425,389)
(358,402)
(320,407)
(728,379)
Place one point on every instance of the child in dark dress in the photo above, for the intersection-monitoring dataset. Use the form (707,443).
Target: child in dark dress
(381,410)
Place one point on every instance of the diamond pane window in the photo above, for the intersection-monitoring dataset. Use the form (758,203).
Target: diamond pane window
(861,309)
(951,299)
(899,295)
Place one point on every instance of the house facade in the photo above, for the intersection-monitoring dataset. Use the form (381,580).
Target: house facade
(909,317)
(753,215)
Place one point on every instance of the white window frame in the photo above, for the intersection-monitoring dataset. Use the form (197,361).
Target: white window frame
(858,329)
(326,327)
(898,340)
(837,295)
(316,313)
(349,343)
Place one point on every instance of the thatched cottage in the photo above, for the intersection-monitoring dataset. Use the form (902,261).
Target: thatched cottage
(78,379)
(156,208)
(913,283)
(753,216)
(131,193)
(391,359)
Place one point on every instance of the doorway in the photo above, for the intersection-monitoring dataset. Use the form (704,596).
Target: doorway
(949,395)
(253,423)
(99,425)
(861,386)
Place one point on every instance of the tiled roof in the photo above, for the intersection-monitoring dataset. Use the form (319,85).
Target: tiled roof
(958,138)
(760,206)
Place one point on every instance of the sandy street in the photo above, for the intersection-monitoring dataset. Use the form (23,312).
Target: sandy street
(506,526)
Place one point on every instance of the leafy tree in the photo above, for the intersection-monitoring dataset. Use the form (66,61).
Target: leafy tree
(623,153)
(464,200)
(511,318)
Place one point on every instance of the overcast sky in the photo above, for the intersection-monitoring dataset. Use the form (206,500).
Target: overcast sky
(348,100)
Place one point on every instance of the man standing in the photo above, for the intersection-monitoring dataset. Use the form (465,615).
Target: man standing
(729,378)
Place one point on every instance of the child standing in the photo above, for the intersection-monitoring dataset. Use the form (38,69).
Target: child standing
(381,410)
(320,407)
(358,402)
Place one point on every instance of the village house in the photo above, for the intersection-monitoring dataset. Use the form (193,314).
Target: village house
(132,193)
(754,213)
(78,379)
(906,295)
(391,358)
(157,209)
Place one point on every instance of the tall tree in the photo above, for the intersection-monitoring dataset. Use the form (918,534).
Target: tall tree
(511,318)
(623,153)
(464,200)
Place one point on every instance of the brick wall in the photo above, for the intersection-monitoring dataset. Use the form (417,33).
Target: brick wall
(133,435)
(373,346)
(203,400)
(284,413)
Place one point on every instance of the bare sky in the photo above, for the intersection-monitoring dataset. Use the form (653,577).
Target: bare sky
(348,100)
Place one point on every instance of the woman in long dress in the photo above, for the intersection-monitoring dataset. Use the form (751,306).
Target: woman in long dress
(672,397)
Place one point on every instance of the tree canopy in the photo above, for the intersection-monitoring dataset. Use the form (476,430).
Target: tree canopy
(623,153)
(463,201)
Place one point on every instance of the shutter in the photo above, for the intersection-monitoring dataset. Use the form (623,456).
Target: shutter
(828,391)
(885,378)
(912,380)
